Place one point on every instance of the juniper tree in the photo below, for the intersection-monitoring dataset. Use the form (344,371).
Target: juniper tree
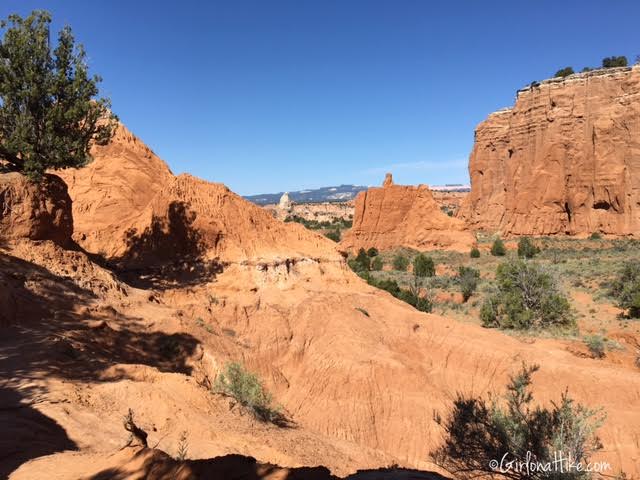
(50,112)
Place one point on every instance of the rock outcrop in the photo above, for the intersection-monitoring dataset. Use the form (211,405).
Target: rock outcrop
(34,211)
(285,202)
(404,216)
(190,216)
(128,206)
(110,193)
(564,160)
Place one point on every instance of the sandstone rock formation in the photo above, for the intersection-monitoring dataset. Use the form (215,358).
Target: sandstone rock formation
(404,216)
(285,202)
(128,206)
(190,216)
(565,159)
(111,191)
(34,211)
(363,390)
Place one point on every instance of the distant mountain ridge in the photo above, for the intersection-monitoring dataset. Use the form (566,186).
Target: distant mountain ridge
(339,193)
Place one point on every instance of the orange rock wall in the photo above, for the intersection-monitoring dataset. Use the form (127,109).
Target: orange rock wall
(564,160)
(404,216)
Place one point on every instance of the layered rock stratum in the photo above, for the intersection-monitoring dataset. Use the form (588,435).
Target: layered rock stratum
(565,159)
(394,216)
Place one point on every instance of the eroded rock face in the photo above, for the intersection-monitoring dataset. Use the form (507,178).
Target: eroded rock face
(404,216)
(129,207)
(564,160)
(110,192)
(35,211)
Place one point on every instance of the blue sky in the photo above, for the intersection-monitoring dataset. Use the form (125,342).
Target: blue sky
(267,96)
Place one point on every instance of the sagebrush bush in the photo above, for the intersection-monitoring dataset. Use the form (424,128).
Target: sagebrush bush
(474,253)
(479,433)
(468,280)
(626,289)
(361,263)
(334,235)
(526,297)
(564,72)
(423,266)
(612,62)
(372,252)
(526,248)
(498,249)
(248,391)
(410,296)
(596,345)
(377,264)
(400,263)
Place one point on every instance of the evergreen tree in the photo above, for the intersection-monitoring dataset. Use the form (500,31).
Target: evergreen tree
(50,113)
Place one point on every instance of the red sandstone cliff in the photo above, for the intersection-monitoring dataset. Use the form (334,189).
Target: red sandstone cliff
(404,216)
(564,159)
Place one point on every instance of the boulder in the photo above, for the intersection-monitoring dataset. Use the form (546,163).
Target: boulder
(35,211)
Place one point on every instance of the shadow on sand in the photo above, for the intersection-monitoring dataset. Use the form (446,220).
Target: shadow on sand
(58,330)
(168,253)
(156,465)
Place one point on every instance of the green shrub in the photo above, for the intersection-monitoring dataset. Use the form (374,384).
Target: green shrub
(333,235)
(372,252)
(595,236)
(423,266)
(410,296)
(247,390)
(626,289)
(526,297)
(526,248)
(362,262)
(468,280)
(475,253)
(312,224)
(498,249)
(479,433)
(612,62)
(400,263)
(388,285)
(596,345)
(377,264)
(564,72)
